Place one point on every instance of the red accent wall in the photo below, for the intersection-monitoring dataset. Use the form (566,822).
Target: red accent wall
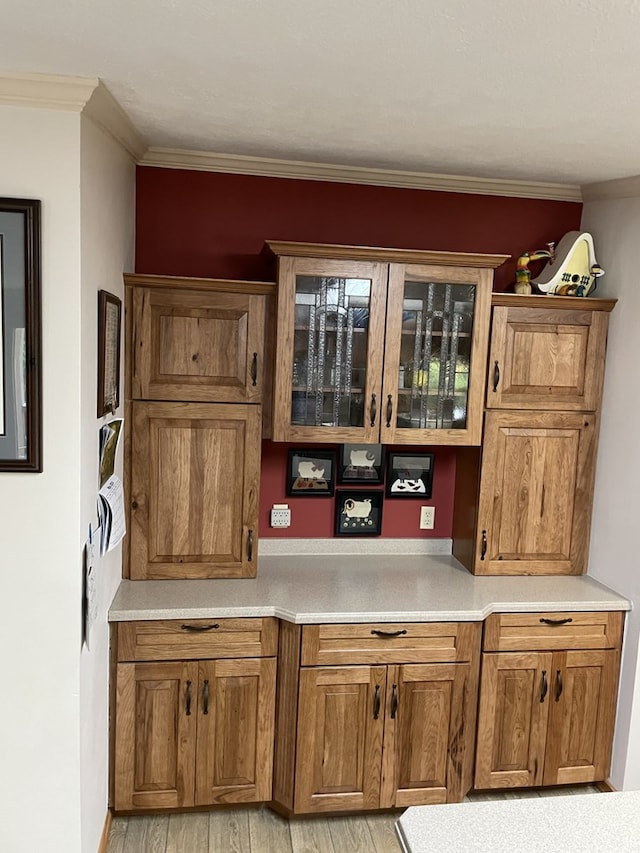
(192,223)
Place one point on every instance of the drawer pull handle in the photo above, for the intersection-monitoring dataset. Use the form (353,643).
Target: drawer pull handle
(558,685)
(373,409)
(199,627)
(496,376)
(483,549)
(394,701)
(187,701)
(250,546)
(254,368)
(376,703)
(556,621)
(387,634)
(544,686)
(389,410)
(205,697)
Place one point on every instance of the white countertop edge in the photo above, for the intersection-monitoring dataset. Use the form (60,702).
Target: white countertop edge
(319,617)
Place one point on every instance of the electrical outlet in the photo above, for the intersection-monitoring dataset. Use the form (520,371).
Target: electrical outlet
(427,517)
(280,515)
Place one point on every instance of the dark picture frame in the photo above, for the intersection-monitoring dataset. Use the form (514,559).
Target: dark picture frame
(361,463)
(20,336)
(311,473)
(109,333)
(409,475)
(358,512)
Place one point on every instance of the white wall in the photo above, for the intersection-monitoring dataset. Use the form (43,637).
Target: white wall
(616,514)
(107,222)
(40,556)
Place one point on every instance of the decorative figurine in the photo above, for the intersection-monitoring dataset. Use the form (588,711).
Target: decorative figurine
(523,274)
(574,270)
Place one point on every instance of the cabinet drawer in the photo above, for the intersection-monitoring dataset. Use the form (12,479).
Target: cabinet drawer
(410,642)
(189,639)
(532,631)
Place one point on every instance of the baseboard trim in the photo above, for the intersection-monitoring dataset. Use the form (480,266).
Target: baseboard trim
(104,838)
(605,787)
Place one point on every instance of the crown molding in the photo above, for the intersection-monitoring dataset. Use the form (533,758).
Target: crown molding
(105,111)
(86,95)
(618,188)
(175,158)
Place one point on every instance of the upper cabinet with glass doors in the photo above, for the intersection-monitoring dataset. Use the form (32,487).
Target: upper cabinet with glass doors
(380,345)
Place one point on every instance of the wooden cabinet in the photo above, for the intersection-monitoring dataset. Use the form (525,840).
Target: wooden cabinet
(195,378)
(377,733)
(523,503)
(377,345)
(193,731)
(547,709)
(194,490)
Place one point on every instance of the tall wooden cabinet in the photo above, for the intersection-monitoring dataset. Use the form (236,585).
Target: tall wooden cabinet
(194,713)
(547,698)
(196,383)
(523,504)
(380,345)
(374,716)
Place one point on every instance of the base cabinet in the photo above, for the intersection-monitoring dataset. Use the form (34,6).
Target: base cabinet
(379,735)
(194,732)
(546,717)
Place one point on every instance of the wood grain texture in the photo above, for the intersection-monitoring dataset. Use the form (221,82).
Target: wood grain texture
(213,285)
(197,639)
(194,493)
(526,631)
(106,832)
(269,832)
(148,834)
(535,500)
(188,832)
(544,302)
(229,831)
(286,714)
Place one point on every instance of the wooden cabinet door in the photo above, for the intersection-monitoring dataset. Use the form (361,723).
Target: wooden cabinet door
(339,740)
(423,734)
(435,354)
(195,471)
(546,358)
(537,476)
(197,345)
(582,715)
(512,719)
(155,728)
(236,709)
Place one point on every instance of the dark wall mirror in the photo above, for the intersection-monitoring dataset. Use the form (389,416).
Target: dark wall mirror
(20,336)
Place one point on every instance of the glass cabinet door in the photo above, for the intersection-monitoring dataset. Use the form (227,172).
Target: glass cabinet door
(329,349)
(437,326)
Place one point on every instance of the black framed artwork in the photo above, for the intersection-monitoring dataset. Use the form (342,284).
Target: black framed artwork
(20,336)
(409,475)
(361,463)
(311,473)
(358,512)
(109,320)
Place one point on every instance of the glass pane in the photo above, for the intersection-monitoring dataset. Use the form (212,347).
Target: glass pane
(328,373)
(435,355)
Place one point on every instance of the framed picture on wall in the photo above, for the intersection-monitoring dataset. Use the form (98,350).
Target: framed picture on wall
(361,463)
(358,513)
(409,475)
(109,313)
(311,473)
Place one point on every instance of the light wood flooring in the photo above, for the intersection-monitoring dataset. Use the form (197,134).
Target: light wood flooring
(259,830)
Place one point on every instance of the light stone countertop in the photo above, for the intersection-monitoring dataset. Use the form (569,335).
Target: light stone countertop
(350,587)
(586,823)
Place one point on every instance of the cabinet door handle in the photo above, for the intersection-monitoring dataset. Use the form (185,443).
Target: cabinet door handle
(254,368)
(388,634)
(496,376)
(205,697)
(187,700)
(394,701)
(389,410)
(483,549)
(544,686)
(211,627)
(373,410)
(556,621)
(376,703)
(558,685)
(250,546)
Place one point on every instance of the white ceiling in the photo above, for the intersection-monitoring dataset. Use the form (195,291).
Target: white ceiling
(545,90)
